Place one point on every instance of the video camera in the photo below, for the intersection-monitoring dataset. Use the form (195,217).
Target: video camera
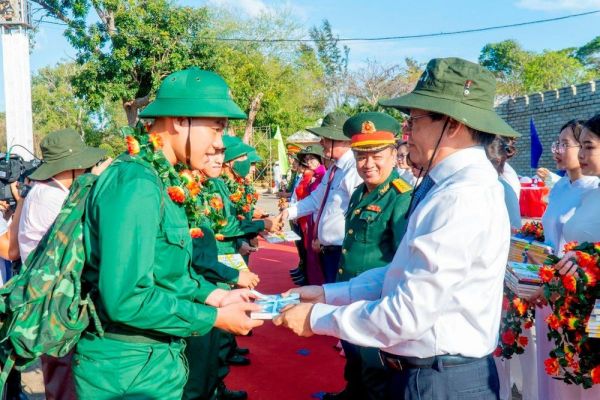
(14,168)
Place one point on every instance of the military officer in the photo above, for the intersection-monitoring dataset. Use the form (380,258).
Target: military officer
(138,248)
(375,225)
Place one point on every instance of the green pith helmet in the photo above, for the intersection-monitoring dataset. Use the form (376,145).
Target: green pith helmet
(64,150)
(193,93)
(234,147)
(331,127)
(254,157)
(459,89)
(313,149)
(371,131)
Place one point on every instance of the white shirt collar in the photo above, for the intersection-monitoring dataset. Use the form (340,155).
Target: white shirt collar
(455,162)
(346,160)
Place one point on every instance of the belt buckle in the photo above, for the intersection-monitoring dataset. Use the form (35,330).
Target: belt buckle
(390,362)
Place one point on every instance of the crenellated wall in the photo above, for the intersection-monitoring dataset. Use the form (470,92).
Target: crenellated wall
(550,110)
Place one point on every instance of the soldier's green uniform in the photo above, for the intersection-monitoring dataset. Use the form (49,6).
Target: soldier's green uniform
(138,252)
(375,225)
(202,352)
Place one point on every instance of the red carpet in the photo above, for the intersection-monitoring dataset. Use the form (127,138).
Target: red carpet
(284,366)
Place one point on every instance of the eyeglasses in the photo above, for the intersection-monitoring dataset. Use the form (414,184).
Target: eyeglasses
(560,148)
(408,122)
(402,156)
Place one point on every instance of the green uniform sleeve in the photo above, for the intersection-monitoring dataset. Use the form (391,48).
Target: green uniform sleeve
(398,220)
(205,263)
(129,218)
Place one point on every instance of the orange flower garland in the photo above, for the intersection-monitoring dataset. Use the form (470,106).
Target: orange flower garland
(575,358)
(517,317)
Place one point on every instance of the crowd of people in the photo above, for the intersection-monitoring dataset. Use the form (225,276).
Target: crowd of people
(403,249)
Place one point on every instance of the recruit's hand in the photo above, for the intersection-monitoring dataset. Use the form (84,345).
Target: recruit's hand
(254,242)
(273,224)
(234,318)
(543,173)
(567,265)
(297,318)
(246,249)
(98,169)
(248,280)
(308,294)
(284,215)
(259,213)
(237,296)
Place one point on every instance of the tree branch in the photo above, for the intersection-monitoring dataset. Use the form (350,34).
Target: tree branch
(53,12)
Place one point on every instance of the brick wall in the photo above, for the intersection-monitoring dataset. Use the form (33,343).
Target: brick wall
(550,110)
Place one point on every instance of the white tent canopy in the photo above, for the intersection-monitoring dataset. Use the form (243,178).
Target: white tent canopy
(303,137)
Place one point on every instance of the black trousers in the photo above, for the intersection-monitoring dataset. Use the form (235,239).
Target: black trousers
(366,376)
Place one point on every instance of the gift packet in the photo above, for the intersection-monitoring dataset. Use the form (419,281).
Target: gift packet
(272,304)
(281,237)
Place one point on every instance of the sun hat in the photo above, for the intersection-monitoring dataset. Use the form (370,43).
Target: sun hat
(331,127)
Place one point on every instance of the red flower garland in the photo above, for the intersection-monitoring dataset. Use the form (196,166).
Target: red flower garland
(517,317)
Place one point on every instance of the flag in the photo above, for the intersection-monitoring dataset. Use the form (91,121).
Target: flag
(281,153)
(536,145)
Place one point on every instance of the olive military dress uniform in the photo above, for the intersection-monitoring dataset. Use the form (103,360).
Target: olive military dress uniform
(375,224)
(138,253)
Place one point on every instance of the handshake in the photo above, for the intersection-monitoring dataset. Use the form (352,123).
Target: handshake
(241,310)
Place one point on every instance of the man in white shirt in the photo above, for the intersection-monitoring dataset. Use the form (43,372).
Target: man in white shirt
(65,157)
(434,311)
(329,201)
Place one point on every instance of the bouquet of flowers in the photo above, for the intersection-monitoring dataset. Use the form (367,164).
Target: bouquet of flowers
(518,315)
(532,229)
(575,358)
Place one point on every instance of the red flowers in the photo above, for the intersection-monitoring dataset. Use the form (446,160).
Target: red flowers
(551,366)
(553,321)
(133,146)
(216,202)
(156,140)
(546,273)
(196,233)
(523,341)
(570,283)
(533,229)
(176,194)
(508,337)
(595,373)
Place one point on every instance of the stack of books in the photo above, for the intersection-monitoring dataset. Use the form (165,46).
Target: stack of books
(519,247)
(593,326)
(522,279)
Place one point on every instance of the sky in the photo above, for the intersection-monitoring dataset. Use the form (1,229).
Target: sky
(373,18)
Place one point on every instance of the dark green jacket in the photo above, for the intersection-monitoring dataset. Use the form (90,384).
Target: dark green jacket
(138,253)
(375,225)
(205,259)
(234,228)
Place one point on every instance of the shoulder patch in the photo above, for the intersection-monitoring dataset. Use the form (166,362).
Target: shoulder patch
(401,185)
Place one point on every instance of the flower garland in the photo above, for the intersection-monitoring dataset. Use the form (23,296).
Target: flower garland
(518,316)
(533,229)
(183,186)
(241,196)
(575,358)
(213,209)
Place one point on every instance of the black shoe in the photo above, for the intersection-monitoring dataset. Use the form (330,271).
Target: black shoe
(343,395)
(242,351)
(226,394)
(237,359)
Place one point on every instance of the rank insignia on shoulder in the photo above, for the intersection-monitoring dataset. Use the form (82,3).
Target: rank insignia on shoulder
(401,185)
(373,207)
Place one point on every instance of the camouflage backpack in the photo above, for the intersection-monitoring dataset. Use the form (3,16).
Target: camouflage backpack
(42,309)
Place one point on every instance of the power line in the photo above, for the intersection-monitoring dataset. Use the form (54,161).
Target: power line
(416,36)
(386,38)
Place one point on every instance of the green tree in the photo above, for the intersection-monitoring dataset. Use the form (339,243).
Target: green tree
(334,61)
(506,60)
(551,70)
(589,55)
(126,47)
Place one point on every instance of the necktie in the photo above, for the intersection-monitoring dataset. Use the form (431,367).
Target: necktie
(329,181)
(420,192)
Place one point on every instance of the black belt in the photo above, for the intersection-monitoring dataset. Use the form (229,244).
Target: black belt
(399,363)
(135,336)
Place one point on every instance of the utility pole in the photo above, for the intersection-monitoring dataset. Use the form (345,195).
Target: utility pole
(14,26)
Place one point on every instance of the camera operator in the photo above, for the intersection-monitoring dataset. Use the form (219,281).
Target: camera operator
(65,157)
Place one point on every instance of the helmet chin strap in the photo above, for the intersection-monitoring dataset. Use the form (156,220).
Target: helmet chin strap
(421,169)
(188,145)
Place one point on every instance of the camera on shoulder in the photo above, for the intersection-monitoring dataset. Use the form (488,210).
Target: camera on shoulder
(14,168)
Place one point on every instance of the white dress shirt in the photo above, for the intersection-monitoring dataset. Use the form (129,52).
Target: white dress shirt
(40,209)
(584,226)
(331,226)
(442,292)
(563,200)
